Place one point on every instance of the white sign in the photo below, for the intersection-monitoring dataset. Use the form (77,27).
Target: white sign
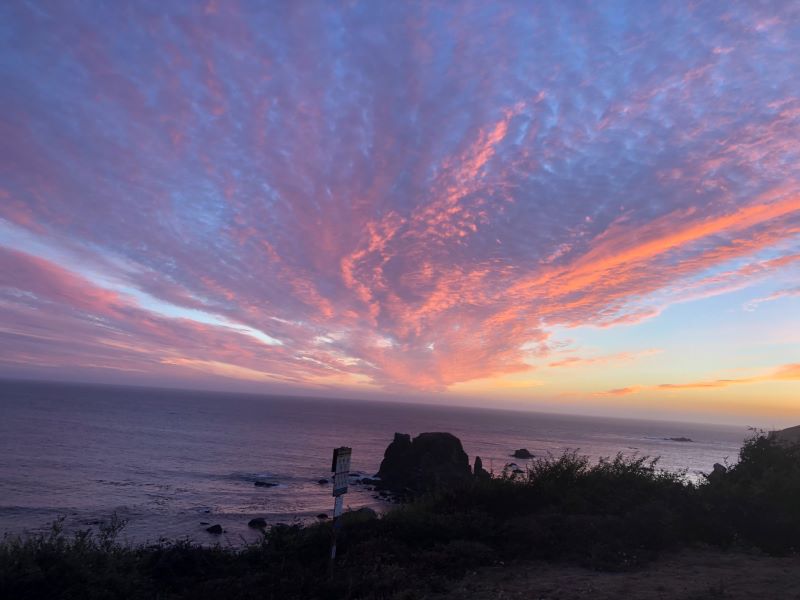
(341,469)
(340,465)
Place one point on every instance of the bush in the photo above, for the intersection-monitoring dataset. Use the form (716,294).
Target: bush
(757,501)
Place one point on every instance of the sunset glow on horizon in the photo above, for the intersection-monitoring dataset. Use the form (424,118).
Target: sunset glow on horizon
(563,206)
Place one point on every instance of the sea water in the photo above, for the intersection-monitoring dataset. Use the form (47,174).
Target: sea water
(173,462)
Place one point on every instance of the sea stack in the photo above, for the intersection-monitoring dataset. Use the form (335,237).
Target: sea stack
(430,460)
(522,453)
(478,471)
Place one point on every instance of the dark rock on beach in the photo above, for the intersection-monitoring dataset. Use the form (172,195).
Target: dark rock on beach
(265,484)
(429,461)
(513,469)
(522,453)
(718,472)
(215,529)
(323,481)
(257,523)
(322,516)
(679,439)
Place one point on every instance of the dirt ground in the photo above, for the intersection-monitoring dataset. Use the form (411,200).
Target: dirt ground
(691,574)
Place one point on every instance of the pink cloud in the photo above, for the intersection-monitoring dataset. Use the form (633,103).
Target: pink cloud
(578,361)
(410,184)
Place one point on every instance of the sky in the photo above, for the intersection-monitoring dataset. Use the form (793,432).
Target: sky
(587,207)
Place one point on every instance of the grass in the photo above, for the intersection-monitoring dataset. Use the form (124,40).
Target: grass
(616,514)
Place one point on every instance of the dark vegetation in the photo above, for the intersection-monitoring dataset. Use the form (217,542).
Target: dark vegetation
(614,515)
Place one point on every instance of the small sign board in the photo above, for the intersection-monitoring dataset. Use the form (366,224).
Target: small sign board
(340,466)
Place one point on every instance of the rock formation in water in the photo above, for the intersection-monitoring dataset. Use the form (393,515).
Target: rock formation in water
(478,471)
(522,453)
(430,460)
(718,472)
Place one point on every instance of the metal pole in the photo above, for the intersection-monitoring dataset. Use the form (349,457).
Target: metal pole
(337,511)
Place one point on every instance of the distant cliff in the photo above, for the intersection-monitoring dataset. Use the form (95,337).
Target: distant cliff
(790,435)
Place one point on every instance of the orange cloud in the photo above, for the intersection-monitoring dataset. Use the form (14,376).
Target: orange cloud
(620,391)
(790,372)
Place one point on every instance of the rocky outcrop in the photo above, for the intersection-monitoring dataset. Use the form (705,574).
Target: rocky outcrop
(257,523)
(790,436)
(430,460)
(717,473)
(512,469)
(264,484)
(214,529)
(396,470)
(522,453)
(478,471)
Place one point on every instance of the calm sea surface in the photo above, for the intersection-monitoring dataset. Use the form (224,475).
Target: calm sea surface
(168,461)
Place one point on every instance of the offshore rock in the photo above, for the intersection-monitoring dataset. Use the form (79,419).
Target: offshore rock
(513,469)
(429,461)
(522,453)
(478,471)
(718,472)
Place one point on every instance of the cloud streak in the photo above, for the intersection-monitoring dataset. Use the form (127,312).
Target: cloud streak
(790,372)
(404,196)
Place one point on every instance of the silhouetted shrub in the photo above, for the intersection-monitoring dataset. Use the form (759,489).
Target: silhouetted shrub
(757,501)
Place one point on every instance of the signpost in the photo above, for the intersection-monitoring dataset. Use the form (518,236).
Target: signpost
(340,466)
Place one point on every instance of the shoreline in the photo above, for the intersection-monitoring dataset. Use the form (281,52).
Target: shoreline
(600,525)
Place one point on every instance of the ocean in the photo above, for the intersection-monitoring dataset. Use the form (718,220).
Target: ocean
(173,462)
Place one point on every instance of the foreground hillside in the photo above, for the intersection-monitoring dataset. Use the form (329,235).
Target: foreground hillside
(688,574)
(617,526)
